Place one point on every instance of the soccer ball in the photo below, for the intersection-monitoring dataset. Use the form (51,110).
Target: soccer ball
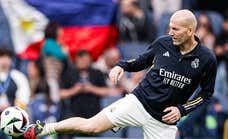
(14,121)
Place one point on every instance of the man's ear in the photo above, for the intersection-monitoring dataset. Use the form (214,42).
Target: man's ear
(190,31)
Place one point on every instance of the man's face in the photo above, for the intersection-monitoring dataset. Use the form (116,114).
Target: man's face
(126,7)
(179,32)
(5,62)
(83,62)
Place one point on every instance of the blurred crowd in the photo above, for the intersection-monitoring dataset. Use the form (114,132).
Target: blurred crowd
(53,87)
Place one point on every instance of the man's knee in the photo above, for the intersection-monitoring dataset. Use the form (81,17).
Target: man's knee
(99,123)
(92,128)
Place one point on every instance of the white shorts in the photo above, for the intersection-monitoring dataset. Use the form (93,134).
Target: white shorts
(129,111)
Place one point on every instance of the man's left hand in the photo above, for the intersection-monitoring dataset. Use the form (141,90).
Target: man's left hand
(172,116)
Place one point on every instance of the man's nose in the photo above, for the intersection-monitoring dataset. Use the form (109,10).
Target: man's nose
(171,32)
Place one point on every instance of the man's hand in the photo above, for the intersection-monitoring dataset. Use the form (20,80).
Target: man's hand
(77,88)
(172,116)
(116,74)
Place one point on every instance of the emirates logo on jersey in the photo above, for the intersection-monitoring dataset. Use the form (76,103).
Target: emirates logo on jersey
(174,79)
(195,63)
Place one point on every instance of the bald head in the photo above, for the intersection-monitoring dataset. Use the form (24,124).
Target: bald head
(186,18)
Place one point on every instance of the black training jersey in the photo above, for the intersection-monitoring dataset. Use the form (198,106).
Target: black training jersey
(172,77)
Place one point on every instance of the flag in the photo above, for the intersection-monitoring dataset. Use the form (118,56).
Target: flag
(26,26)
(4,29)
(87,24)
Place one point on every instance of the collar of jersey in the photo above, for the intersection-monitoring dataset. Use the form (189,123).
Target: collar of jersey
(174,50)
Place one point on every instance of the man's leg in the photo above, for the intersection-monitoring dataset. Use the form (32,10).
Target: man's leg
(157,130)
(124,112)
(94,125)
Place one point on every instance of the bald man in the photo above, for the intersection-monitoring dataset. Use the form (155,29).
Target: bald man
(177,65)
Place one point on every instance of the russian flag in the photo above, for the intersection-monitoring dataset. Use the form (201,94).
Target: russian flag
(87,24)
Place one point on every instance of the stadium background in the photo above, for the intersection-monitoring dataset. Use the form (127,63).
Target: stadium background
(109,30)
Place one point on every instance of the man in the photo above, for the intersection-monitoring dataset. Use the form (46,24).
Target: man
(14,86)
(178,65)
(105,63)
(82,88)
(135,24)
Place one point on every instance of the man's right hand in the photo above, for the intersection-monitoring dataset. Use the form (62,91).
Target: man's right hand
(116,74)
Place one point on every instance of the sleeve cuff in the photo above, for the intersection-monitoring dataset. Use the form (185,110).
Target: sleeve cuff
(181,109)
(121,64)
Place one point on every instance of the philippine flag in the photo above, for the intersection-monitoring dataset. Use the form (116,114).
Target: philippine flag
(87,24)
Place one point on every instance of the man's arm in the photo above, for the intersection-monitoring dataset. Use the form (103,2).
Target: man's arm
(67,93)
(23,92)
(207,88)
(143,61)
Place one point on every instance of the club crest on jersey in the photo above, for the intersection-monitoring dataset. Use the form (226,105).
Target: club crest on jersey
(195,63)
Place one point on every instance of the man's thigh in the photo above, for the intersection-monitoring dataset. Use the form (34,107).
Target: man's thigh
(154,129)
(127,111)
